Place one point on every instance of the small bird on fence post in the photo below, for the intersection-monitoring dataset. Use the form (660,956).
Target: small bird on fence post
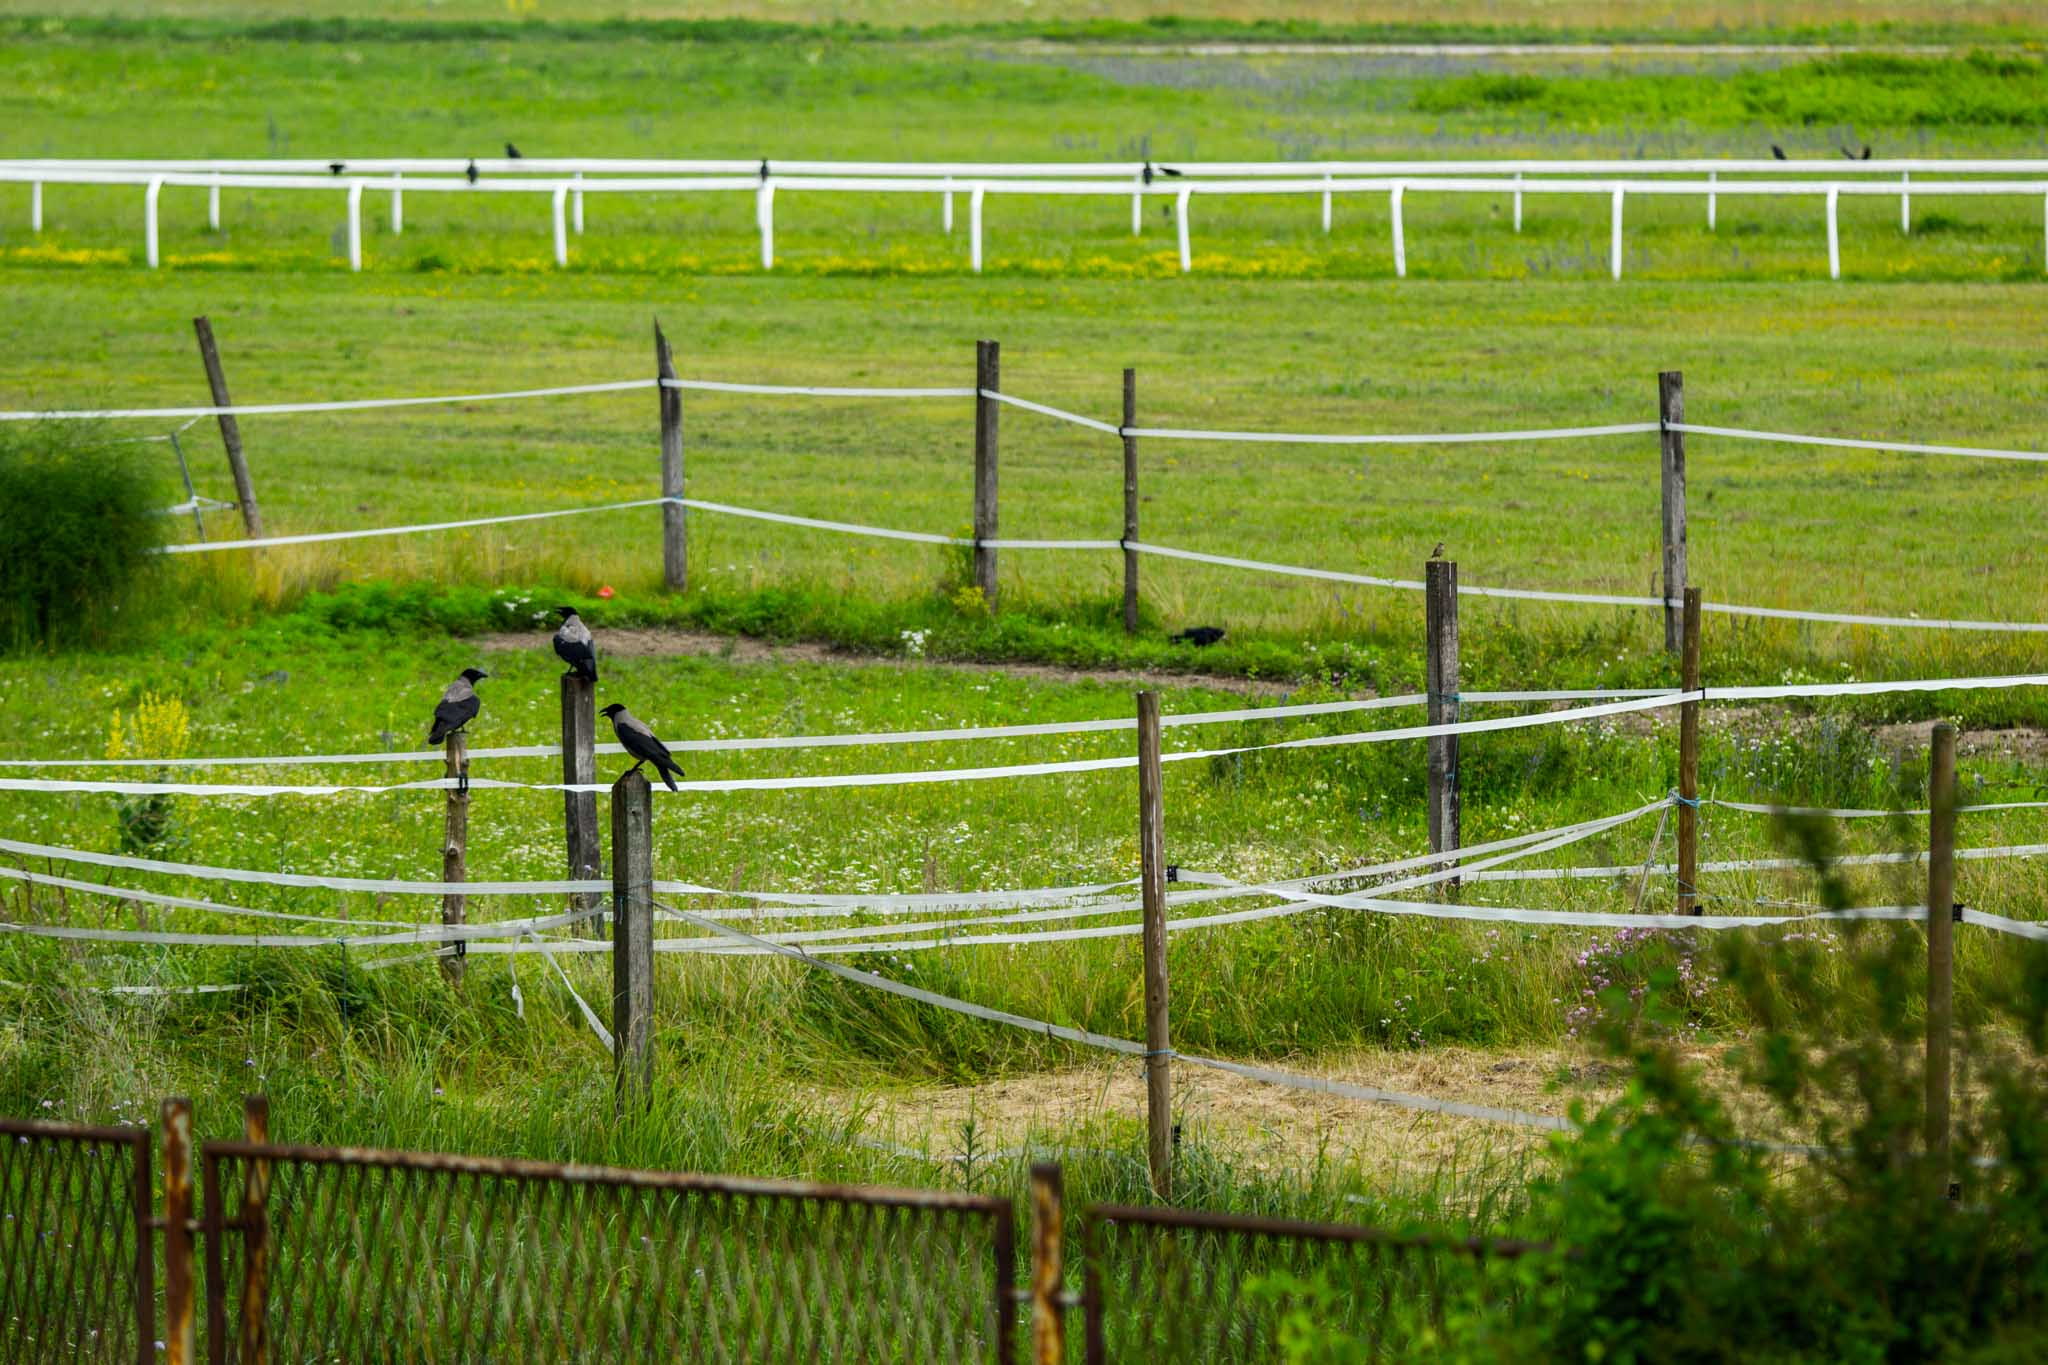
(511,152)
(641,743)
(1438,552)
(457,708)
(574,647)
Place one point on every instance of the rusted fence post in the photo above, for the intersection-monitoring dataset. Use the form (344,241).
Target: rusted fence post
(1941,900)
(455,855)
(1440,683)
(675,539)
(632,939)
(230,431)
(1670,410)
(1152,885)
(1130,502)
(255,1333)
(1048,1305)
(180,1338)
(579,809)
(987,427)
(1689,762)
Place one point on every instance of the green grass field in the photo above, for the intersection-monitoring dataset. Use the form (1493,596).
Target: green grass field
(773,1069)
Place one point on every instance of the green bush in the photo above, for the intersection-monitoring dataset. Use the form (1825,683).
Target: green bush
(78,525)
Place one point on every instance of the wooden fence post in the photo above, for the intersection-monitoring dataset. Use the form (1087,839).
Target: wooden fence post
(255,1334)
(1048,1307)
(1671,409)
(632,939)
(1689,761)
(180,1338)
(579,809)
(1440,599)
(455,854)
(1152,884)
(1941,899)
(230,431)
(675,541)
(987,426)
(1130,502)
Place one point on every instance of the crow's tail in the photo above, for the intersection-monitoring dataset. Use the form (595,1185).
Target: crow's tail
(666,769)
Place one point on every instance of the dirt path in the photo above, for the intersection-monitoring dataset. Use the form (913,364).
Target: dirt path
(631,643)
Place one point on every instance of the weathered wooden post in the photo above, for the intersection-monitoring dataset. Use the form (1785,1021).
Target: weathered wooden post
(987,427)
(1048,1305)
(1689,761)
(230,431)
(1670,411)
(675,544)
(1152,885)
(1941,900)
(1130,502)
(255,1333)
(455,854)
(1440,684)
(579,808)
(180,1338)
(632,939)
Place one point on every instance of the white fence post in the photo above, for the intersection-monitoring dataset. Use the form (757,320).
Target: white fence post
(213,203)
(1180,214)
(946,214)
(1834,234)
(1138,204)
(35,206)
(1712,179)
(1614,246)
(1906,202)
(576,206)
(397,203)
(974,199)
(1400,237)
(1518,201)
(561,216)
(355,226)
(149,197)
(1326,204)
(764,214)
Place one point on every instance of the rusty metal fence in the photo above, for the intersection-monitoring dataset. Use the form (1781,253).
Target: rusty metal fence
(336,1253)
(290,1253)
(1164,1284)
(77,1268)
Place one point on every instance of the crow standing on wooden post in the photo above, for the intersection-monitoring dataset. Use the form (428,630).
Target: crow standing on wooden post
(640,742)
(458,706)
(574,647)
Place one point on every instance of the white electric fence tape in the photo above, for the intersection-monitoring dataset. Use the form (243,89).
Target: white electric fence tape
(1864,813)
(1410,438)
(604,1034)
(337,405)
(1851,443)
(316,537)
(185,902)
(1422,1103)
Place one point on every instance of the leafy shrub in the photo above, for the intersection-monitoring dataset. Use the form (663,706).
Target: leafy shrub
(78,525)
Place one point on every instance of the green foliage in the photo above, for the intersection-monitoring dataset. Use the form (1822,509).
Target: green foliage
(78,523)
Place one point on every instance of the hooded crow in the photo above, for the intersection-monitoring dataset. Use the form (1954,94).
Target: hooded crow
(1777,151)
(639,741)
(471,171)
(1199,636)
(458,706)
(573,645)
(512,153)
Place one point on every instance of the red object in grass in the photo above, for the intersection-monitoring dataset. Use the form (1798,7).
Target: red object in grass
(605,592)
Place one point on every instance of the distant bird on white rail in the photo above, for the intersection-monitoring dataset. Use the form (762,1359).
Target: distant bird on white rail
(574,646)
(640,742)
(458,706)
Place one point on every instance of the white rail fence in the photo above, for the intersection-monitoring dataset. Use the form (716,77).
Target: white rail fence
(566,182)
(1670,433)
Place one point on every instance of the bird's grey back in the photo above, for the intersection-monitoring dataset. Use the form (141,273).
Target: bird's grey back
(574,632)
(459,690)
(626,720)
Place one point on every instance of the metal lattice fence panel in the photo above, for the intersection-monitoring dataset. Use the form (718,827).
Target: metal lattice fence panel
(463,1258)
(1168,1285)
(76,1268)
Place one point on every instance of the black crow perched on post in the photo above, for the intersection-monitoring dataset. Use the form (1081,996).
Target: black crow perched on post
(1199,636)
(458,706)
(640,742)
(574,647)
(471,172)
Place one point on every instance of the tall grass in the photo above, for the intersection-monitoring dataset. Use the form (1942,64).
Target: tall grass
(78,526)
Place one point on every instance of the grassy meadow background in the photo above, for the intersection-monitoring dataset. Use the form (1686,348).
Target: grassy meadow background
(1931,337)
